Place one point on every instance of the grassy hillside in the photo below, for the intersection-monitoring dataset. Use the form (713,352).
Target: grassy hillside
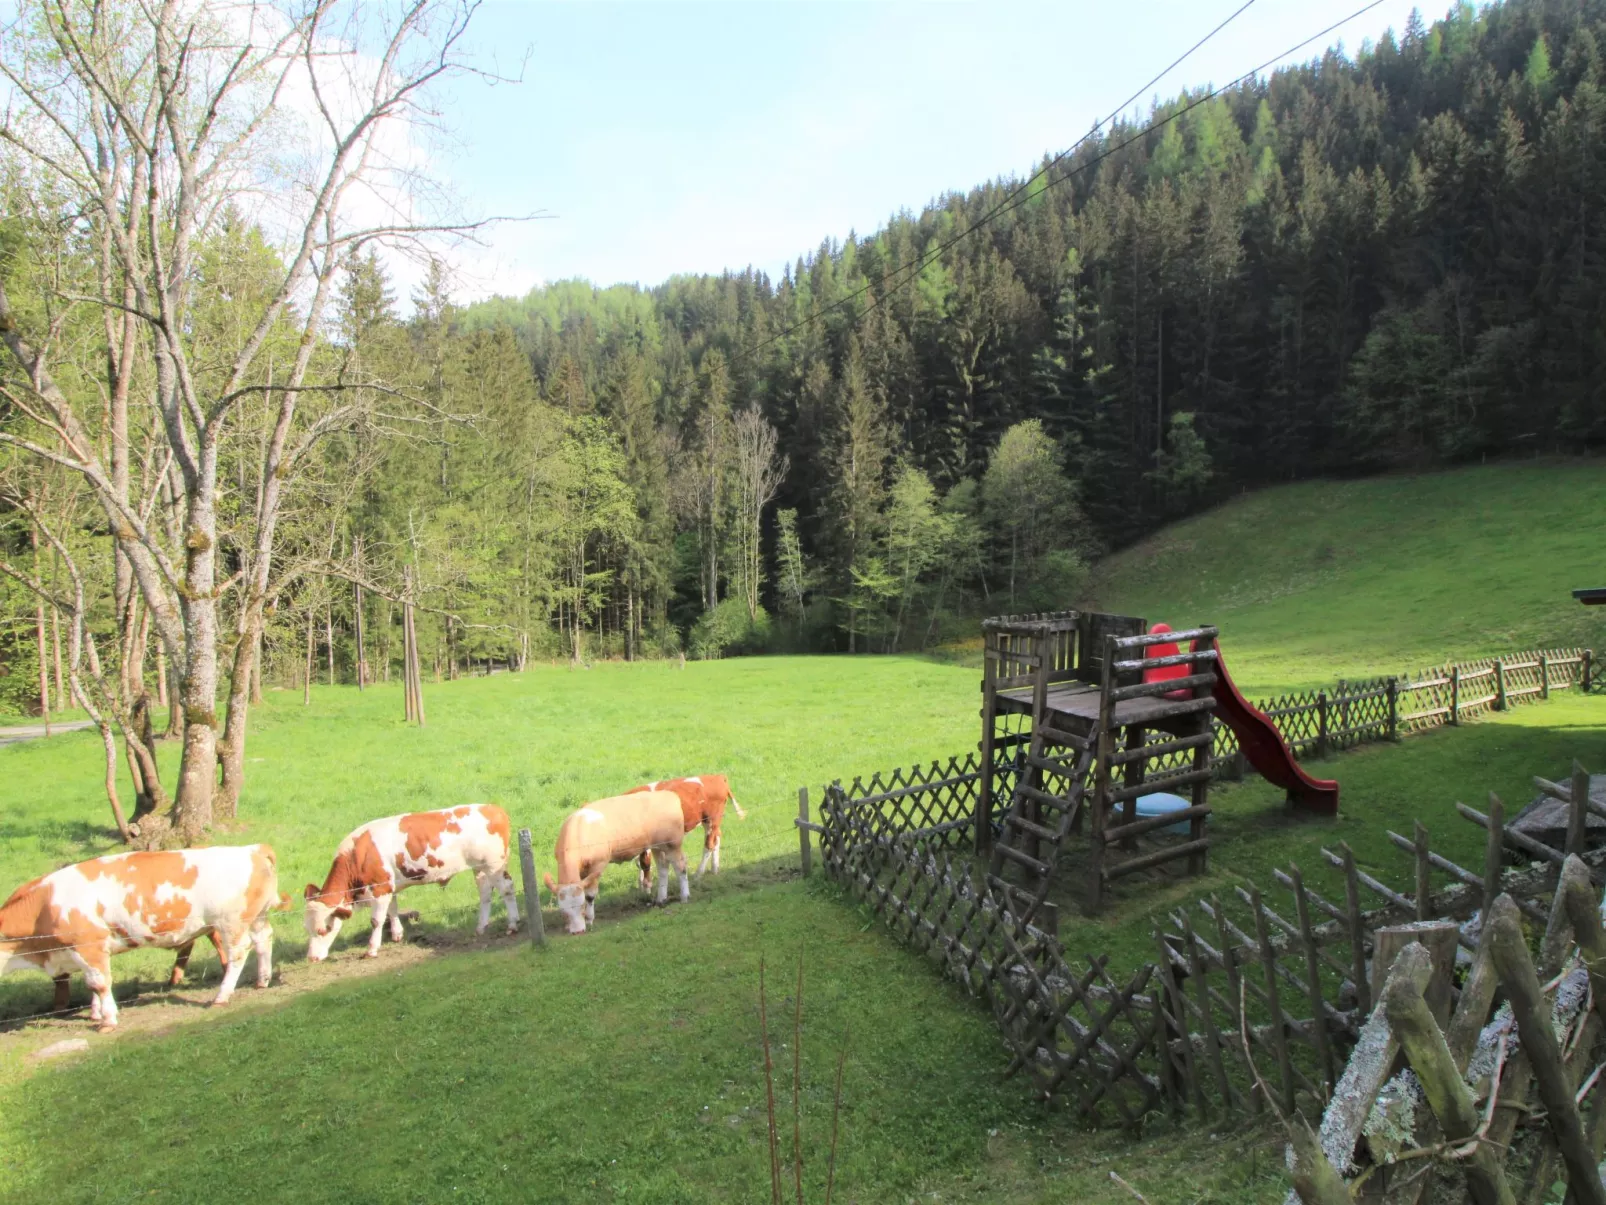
(1313,582)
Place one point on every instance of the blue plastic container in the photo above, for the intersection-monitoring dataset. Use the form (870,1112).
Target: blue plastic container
(1160,803)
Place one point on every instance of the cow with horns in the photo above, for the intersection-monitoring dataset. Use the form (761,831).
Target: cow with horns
(702,801)
(384,857)
(615,830)
(78,917)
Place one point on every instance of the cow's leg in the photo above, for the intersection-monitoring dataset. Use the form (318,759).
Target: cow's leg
(262,942)
(62,997)
(662,894)
(510,901)
(181,962)
(98,975)
(644,870)
(591,906)
(238,946)
(482,879)
(376,936)
(678,854)
(710,842)
(396,930)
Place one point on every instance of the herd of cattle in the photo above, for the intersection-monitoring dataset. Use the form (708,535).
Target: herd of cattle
(76,918)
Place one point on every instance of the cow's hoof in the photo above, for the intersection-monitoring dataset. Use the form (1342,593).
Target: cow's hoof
(512,929)
(371,954)
(219,1004)
(176,978)
(104,1028)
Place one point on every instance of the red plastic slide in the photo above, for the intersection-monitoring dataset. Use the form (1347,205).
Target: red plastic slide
(1263,745)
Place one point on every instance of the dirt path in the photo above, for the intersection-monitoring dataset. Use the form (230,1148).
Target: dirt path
(32,732)
(150,1008)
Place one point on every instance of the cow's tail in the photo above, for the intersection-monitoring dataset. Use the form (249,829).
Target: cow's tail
(740,815)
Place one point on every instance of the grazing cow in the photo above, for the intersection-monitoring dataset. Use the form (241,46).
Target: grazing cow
(702,801)
(615,830)
(76,918)
(383,857)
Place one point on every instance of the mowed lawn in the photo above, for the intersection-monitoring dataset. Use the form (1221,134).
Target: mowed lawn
(1339,579)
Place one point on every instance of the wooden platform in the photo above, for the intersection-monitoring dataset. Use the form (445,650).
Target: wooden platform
(1081,703)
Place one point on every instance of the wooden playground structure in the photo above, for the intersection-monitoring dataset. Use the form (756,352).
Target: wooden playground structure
(1100,728)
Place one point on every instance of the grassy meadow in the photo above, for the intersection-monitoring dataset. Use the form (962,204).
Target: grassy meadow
(1339,579)
(626,1065)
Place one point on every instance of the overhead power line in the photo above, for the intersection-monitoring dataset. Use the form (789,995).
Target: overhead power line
(888,282)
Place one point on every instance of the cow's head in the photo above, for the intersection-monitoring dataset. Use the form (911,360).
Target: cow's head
(571,904)
(323,922)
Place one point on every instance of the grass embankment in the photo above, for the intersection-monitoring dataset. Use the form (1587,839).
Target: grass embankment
(1324,580)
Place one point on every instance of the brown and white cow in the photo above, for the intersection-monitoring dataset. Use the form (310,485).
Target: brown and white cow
(615,830)
(702,801)
(384,857)
(78,917)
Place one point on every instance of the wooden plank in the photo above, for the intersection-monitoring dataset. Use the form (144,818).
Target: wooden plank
(1161,748)
(1268,965)
(1167,686)
(1148,638)
(1201,983)
(1515,839)
(1357,930)
(1174,992)
(1149,823)
(1438,937)
(1145,663)
(1424,882)
(1313,980)
(1156,858)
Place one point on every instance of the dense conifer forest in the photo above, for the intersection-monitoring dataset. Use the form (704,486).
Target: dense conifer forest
(1389,259)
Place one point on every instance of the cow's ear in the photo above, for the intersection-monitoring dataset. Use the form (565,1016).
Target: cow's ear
(311,892)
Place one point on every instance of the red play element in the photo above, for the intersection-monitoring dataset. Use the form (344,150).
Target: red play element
(1266,750)
(1161,673)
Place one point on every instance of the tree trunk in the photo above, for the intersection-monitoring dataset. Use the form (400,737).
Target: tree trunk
(39,638)
(55,653)
(197,775)
(329,637)
(362,656)
(306,678)
(630,625)
(256,670)
(231,750)
(109,744)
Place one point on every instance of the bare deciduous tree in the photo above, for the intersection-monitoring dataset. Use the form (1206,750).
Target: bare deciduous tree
(144,126)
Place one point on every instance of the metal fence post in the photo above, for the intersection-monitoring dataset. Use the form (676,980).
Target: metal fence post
(1455,694)
(804,848)
(532,896)
(1394,709)
(1499,686)
(1544,676)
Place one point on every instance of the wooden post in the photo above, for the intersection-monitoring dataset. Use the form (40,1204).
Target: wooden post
(1279,1032)
(804,848)
(1493,854)
(1544,676)
(1321,723)
(1499,685)
(1587,658)
(1313,979)
(1424,885)
(1438,937)
(1394,709)
(989,714)
(532,894)
(1357,930)
(1455,694)
(1578,811)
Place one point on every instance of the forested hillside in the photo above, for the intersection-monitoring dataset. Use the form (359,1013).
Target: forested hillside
(1395,259)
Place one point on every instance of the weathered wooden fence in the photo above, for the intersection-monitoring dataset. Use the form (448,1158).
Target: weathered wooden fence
(1289,970)
(1318,722)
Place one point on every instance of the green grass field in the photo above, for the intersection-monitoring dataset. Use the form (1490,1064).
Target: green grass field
(625,1065)
(1325,580)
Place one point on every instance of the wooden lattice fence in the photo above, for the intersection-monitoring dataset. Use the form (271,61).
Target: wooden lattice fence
(1290,969)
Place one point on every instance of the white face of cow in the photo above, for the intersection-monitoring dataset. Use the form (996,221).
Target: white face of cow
(323,923)
(572,907)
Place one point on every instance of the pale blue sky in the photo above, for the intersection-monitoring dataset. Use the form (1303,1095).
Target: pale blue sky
(691,137)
